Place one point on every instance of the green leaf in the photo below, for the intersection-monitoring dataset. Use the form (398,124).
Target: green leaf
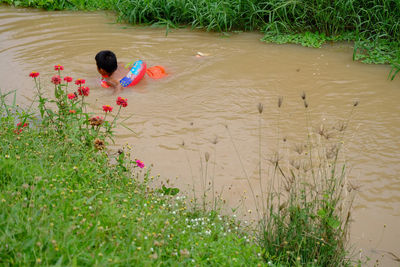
(333,223)
(321,213)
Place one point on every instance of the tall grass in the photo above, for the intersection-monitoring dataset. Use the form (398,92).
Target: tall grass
(303,198)
(302,195)
(370,18)
(373,24)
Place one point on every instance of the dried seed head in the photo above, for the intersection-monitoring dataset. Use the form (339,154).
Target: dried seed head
(280,100)
(303,96)
(341,126)
(305,104)
(306,166)
(207,156)
(96,121)
(322,131)
(275,158)
(355,104)
(260,108)
(352,186)
(299,148)
(191,124)
(99,144)
(295,164)
(183,142)
(332,151)
(215,141)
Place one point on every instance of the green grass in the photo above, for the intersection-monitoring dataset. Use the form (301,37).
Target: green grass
(66,201)
(374,25)
(65,204)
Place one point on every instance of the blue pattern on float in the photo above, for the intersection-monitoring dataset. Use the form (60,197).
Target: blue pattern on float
(134,71)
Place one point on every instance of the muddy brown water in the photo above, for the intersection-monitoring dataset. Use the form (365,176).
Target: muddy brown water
(201,96)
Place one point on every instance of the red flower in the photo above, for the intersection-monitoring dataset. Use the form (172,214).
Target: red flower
(107,108)
(122,101)
(79,81)
(20,124)
(56,79)
(58,67)
(72,111)
(18,131)
(84,91)
(33,74)
(68,79)
(72,96)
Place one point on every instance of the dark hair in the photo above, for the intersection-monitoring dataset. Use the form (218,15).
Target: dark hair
(107,61)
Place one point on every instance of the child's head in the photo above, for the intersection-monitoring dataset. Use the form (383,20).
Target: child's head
(106,62)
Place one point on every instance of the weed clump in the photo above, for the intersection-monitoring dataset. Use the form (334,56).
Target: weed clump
(305,216)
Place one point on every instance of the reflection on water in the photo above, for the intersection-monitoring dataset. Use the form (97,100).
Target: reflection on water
(201,96)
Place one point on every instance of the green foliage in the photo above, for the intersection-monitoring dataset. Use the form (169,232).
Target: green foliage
(65,202)
(374,25)
(307,39)
(169,191)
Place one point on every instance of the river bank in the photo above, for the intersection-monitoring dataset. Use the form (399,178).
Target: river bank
(244,72)
(372,25)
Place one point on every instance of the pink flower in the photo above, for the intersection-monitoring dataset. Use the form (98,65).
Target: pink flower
(72,111)
(107,108)
(72,96)
(58,67)
(79,81)
(56,79)
(140,164)
(84,91)
(68,79)
(34,74)
(122,101)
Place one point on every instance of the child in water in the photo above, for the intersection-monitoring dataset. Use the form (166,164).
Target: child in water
(116,75)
